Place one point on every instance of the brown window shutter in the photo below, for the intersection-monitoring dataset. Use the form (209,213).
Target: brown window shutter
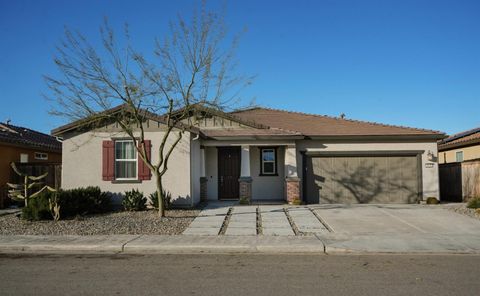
(144,172)
(108,161)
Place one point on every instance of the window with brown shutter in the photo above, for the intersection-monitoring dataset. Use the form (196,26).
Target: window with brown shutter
(121,161)
(144,172)
(108,161)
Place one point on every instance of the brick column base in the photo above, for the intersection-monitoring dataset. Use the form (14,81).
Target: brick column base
(203,188)
(292,190)
(245,189)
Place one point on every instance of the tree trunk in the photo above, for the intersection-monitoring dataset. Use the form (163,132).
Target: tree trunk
(161,198)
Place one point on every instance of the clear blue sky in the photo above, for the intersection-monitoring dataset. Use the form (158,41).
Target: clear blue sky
(413,63)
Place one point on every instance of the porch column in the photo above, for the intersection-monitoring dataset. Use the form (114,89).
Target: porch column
(203,177)
(245,181)
(292,182)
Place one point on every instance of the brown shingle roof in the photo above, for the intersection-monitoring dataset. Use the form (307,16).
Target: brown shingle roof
(320,125)
(462,139)
(232,132)
(26,137)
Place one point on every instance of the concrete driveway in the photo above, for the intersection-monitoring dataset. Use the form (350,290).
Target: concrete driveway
(347,228)
(397,228)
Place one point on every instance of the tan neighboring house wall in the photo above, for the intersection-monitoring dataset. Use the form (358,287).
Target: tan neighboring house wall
(469,153)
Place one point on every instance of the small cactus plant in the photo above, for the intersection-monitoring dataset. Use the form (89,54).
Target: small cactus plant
(20,192)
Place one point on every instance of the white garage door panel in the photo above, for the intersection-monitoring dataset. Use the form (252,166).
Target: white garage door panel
(362,179)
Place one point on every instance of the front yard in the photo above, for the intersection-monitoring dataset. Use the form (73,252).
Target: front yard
(124,222)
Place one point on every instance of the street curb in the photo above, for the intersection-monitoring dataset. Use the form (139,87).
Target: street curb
(145,244)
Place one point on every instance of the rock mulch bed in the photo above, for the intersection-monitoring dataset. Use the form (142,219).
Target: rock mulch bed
(462,209)
(146,222)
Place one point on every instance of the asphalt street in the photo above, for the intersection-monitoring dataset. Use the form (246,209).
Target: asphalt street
(210,274)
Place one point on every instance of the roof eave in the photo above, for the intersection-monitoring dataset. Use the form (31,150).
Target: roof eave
(255,137)
(450,146)
(393,137)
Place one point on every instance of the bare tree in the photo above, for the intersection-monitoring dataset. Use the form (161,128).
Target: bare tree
(194,64)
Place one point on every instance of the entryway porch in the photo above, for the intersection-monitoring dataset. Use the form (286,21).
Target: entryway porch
(249,171)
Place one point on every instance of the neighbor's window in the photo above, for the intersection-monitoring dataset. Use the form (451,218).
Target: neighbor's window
(41,155)
(125,160)
(269,165)
(459,156)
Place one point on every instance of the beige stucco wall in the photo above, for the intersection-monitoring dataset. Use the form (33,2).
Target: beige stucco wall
(429,174)
(469,153)
(267,187)
(82,165)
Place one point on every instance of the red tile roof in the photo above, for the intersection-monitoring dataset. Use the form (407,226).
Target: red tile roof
(27,137)
(320,125)
(466,138)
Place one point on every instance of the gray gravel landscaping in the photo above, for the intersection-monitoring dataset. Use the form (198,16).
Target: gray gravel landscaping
(145,222)
(461,208)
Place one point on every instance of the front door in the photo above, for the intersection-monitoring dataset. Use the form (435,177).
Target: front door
(228,172)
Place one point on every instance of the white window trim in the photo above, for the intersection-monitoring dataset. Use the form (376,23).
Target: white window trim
(274,161)
(135,159)
(458,153)
(41,155)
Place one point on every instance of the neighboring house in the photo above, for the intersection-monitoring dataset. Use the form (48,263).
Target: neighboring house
(262,154)
(23,145)
(459,159)
(460,147)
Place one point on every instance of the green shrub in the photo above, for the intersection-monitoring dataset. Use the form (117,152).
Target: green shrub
(73,202)
(82,201)
(474,203)
(432,201)
(38,208)
(134,201)
(167,199)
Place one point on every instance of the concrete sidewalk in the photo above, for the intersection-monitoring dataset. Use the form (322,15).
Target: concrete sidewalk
(165,244)
(312,244)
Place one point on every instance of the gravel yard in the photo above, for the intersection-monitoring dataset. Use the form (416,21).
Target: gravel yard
(461,208)
(146,222)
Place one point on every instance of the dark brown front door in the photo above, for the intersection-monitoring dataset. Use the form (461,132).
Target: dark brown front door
(228,172)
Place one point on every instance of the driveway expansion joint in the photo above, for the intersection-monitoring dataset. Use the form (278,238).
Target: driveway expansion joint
(321,220)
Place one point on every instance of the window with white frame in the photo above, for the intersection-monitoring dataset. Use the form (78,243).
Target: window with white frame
(459,156)
(269,161)
(41,156)
(125,160)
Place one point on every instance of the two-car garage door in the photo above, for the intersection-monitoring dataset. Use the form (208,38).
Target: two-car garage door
(362,179)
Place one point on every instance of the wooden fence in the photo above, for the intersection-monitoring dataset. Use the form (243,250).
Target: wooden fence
(53,179)
(459,181)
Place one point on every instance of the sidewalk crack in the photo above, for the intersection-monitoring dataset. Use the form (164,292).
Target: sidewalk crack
(129,241)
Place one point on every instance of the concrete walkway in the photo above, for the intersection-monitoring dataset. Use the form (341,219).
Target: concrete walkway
(210,220)
(275,221)
(243,221)
(255,220)
(306,221)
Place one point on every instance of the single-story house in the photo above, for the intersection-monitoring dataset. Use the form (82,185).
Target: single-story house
(459,166)
(460,147)
(262,154)
(25,146)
